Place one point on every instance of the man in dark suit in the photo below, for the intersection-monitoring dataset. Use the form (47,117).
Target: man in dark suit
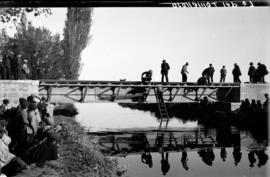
(164,71)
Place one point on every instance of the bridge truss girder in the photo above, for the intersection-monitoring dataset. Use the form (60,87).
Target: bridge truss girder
(136,91)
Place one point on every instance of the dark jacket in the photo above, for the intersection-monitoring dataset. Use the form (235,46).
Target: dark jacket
(147,74)
(236,71)
(165,68)
(251,71)
(206,72)
(262,70)
(2,110)
(211,70)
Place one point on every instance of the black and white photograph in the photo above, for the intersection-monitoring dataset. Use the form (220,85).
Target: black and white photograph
(135,88)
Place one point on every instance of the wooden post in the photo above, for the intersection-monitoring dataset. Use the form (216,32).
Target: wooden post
(49,93)
(83,94)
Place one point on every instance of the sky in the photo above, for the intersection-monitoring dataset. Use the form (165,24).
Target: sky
(127,41)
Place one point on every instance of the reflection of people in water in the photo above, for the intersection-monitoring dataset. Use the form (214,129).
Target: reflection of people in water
(159,142)
(262,157)
(207,156)
(251,158)
(223,154)
(139,142)
(147,159)
(165,166)
(237,155)
(184,160)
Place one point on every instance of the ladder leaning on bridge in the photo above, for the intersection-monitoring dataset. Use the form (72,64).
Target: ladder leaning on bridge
(163,112)
(164,116)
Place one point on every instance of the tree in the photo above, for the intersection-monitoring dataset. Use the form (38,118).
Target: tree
(14,13)
(49,57)
(42,50)
(76,36)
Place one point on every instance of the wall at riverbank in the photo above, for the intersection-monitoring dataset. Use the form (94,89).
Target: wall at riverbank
(14,89)
(254,91)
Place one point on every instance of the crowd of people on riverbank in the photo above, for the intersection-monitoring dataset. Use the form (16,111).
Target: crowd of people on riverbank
(256,75)
(28,134)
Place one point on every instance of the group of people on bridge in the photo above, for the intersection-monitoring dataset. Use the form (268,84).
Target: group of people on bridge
(256,75)
(28,134)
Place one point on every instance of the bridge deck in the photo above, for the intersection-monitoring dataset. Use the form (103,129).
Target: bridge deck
(66,83)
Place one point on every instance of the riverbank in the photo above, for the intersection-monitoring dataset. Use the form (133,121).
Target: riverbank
(79,156)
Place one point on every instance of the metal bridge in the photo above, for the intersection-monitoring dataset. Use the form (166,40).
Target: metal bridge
(136,91)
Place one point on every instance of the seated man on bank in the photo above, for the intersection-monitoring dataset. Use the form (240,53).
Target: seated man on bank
(10,164)
(146,76)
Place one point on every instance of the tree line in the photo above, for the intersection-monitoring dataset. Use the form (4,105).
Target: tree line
(46,54)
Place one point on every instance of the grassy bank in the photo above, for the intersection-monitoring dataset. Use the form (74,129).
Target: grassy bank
(79,157)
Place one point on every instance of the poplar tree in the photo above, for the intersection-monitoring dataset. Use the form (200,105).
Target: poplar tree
(76,37)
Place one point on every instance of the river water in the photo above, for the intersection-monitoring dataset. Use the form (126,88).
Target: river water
(189,147)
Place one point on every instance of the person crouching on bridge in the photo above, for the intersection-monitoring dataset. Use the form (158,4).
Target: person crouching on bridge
(206,74)
(203,80)
(147,76)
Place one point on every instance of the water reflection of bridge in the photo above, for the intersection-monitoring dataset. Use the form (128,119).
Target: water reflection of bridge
(89,91)
(204,141)
(135,142)
(148,141)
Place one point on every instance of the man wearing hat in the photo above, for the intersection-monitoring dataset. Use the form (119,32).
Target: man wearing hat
(251,73)
(4,108)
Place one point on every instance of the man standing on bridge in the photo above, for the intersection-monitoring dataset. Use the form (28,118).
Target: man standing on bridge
(251,73)
(223,73)
(236,73)
(164,71)
(211,72)
(184,72)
